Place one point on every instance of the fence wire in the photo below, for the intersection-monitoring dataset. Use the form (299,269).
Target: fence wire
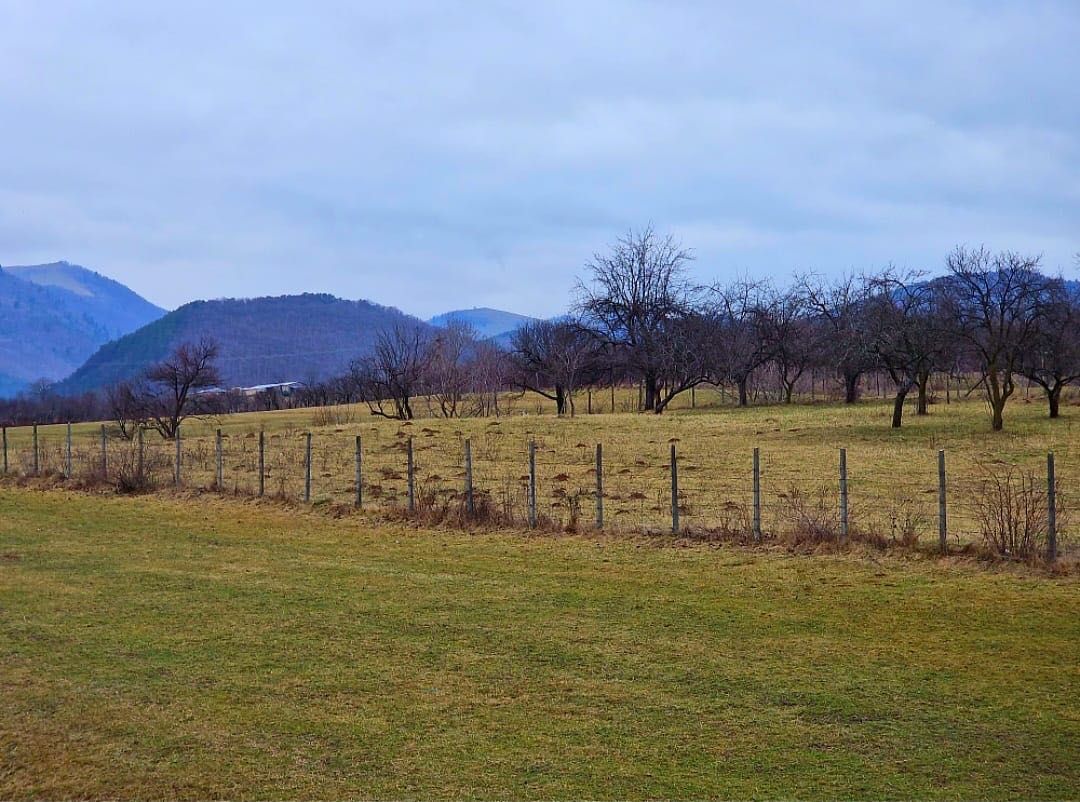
(715,488)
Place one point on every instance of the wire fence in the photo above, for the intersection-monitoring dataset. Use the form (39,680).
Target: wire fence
(534,481)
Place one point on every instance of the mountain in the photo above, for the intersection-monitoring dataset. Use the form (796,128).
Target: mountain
(54,316)
(261,340)
(488,323)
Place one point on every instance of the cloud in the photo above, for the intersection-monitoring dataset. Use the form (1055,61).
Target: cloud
(435,155)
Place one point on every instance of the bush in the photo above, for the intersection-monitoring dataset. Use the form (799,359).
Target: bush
(1011,508)
(135,474)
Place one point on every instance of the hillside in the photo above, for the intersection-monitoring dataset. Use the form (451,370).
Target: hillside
(262,340)
(54,316)
(486,322)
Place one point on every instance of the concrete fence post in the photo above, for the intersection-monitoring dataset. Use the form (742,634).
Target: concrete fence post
(262,463)
(843,496)
(674,491)
(599,486)
(218,459)
(1051,509)
(142,454)
(757,495)
(411,475)
(359,460)
(470,505)
(532,484)
(307,467)
(943,510)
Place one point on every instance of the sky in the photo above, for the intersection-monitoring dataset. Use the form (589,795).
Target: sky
(444,155)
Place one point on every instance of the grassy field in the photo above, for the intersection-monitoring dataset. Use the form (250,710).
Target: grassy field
(158,647)
(892,473)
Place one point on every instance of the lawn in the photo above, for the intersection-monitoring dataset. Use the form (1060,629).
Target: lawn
(158,647)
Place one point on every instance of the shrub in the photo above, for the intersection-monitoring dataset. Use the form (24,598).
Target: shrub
(135,474)
(1011,508)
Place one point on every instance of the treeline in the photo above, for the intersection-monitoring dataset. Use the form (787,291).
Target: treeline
(639,319)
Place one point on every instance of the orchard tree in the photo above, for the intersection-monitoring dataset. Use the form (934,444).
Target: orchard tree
(393,373)
(1052,361)
(839,306)
(636,297)
(998,303)
(182,385)
(554,359)
(790,337)
(740,343)
(904,330)
(448,374)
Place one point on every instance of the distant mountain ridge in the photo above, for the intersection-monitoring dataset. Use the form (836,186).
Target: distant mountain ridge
(53,316)
(486,322)
(306,337)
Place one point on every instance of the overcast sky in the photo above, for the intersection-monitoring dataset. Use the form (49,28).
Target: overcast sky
(441,155)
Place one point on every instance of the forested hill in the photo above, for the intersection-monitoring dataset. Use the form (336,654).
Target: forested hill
(262,340)
(54,316)
(484,321)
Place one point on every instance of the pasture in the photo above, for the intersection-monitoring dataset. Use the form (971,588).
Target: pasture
(197,647)
(892,474)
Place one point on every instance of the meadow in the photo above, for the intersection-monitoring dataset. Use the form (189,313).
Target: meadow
(892,473)
(202,647)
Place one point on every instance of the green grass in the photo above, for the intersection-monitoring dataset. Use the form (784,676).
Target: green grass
(155,647)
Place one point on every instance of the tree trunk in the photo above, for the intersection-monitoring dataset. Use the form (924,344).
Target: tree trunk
(742,392)
(652,397)
(1054,397)
(923,406)
(898,408)
(560,400)
(997,420)
(997,396)
(851,388)
(789,388)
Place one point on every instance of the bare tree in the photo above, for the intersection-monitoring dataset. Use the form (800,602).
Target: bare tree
(172,390)
(790,337)
(905,331)
(1052,360)
(997,302)
(739,341)
(636,294)
(393,373)
(448,372)
(125,404)
(686,345)
(839,306)
(491,371)
(553,359)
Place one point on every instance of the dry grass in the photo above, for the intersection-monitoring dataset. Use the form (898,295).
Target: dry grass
(892,474)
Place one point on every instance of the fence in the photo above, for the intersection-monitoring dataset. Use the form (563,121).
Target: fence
(532,483)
